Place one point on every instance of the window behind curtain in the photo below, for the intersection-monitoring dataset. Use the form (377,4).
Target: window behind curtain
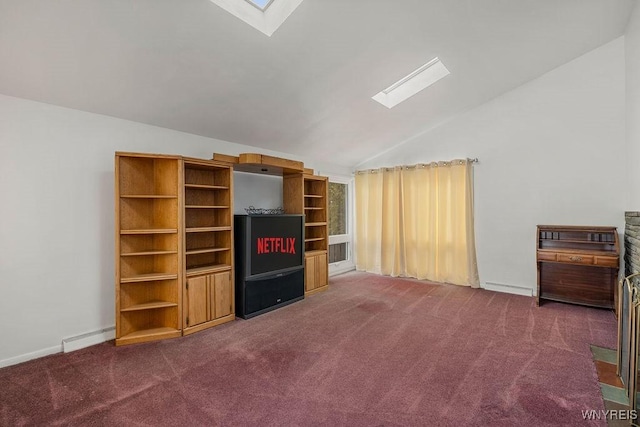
(417,221)
(338,222)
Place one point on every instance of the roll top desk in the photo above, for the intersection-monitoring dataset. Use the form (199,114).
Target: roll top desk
(578,265)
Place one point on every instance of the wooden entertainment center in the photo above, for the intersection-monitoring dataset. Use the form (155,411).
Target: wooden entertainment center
(174,238)
(303,193)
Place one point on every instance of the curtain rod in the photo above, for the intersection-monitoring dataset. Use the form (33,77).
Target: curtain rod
(469,160)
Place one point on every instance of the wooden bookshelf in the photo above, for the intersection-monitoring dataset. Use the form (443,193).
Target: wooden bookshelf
(208,291)
(174,239)
(148,265)
(308,195)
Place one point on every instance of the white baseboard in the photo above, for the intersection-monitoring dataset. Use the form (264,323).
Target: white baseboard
(341,269)
(30,356)
(88,339)
(509,289)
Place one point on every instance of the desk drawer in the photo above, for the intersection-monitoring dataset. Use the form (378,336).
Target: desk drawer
(607,261)
(576,259)
(547,256)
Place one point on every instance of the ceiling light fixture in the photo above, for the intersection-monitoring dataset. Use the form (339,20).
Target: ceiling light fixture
(413,83)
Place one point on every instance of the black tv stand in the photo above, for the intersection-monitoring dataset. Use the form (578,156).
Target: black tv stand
(260,294)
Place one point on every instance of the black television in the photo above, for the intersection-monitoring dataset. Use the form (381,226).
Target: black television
(267,244)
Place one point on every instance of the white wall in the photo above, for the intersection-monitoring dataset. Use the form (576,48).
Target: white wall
(57,217)
(259,191)
(551,152)
(632,44)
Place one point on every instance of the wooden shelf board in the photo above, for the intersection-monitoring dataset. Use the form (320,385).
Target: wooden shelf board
(590,229)
(315,239)
(206,250)
(150,253)
(147,196)
(581,251)
(206,187)
(315,178)
(314,196)
(312,208)
(151,305)
(202,164)
(149,334)
(148,277)
(315,224)
(314,253)
(150,231)
(207,229)
(578,241)
(207,269)
(205,207)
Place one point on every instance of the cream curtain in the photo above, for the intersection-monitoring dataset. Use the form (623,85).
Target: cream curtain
(417,221)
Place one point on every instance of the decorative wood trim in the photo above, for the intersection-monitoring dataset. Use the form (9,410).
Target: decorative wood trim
(224,158)
(316,291)
(267,165)
(210,324)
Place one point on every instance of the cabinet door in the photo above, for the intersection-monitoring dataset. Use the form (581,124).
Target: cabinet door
(321,270)
(197,300)
(309,273)
(221,295)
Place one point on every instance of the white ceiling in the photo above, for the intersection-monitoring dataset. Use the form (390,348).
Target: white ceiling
(306,90)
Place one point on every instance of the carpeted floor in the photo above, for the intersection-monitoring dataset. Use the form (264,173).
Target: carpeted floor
(370,351)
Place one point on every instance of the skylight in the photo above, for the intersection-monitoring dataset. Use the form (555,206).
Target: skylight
(263,15)
(261,4)
(413,83)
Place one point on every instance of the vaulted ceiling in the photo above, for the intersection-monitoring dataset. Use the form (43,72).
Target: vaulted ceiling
(191,66)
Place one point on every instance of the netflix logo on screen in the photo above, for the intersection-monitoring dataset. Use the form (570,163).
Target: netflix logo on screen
(281,245)
(270,243)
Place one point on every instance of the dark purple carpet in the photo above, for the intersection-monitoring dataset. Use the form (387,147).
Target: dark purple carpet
(370,351)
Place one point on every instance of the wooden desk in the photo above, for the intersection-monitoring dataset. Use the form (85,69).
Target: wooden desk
(578,265)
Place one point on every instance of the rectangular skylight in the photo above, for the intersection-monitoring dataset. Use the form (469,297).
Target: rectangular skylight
(265,16)
(408,86)
(260,4)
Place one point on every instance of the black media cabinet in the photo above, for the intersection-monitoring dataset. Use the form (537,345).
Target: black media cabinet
(257,295)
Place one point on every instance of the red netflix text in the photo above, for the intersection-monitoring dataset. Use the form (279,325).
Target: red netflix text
(283,245)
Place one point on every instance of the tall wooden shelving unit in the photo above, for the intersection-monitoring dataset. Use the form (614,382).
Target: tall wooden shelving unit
(148,243)
(308,194)
(174,239)
(174,246)
(303,193)
(208,235)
